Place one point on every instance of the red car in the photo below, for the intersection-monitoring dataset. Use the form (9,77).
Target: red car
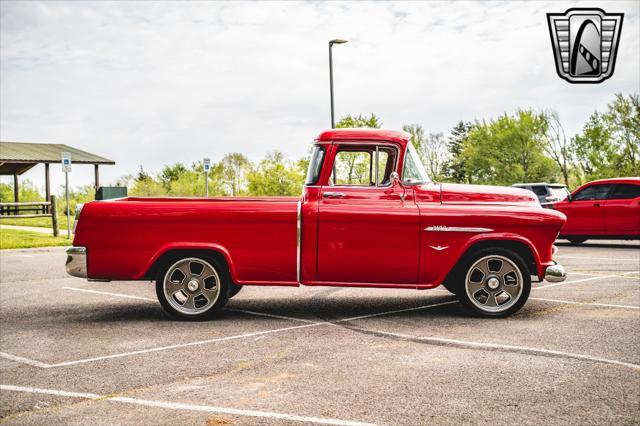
(604,209)
(368,217)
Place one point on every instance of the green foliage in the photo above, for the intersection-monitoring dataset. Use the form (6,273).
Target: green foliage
(349,121)
(455,168)
(231,173)
(170,174)
(417,135)
(508,150)
(276,176)
(27,192)
(609,145)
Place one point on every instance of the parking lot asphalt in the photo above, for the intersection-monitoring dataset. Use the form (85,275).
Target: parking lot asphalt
(75,352)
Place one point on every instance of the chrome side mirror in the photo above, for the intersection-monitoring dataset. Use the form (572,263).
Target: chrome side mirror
(394,178)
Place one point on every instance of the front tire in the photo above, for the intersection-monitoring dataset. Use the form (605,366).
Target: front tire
(493,283)
(192,287)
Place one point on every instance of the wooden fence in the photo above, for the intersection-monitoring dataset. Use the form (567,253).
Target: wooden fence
(32,210)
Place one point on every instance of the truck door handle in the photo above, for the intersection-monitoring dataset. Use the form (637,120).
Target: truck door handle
(596,204)
(333,194)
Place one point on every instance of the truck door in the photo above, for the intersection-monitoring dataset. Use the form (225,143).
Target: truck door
(368,227)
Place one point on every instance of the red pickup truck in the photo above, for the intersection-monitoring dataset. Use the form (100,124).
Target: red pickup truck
(368,217)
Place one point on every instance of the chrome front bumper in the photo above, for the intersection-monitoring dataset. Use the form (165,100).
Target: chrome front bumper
(77,262)
(555,273)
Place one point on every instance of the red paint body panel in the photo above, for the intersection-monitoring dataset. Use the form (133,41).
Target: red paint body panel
(258,236)
(601,217)
(369,237)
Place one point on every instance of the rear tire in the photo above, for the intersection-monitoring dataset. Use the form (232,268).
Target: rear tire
(576,240)
(192,288)
(492,282)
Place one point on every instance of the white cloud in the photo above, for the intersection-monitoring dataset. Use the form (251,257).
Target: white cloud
(154,83)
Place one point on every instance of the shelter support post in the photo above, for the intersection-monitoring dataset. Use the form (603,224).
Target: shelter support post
(16,190)
(47,182)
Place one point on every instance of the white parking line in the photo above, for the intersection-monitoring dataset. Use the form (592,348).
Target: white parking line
(183,345)
(106,293)
(148,299)
(596,258)
(570,302)
(219,339)
(22,360)
(263,314)
(187,407)
(523,349)
(599,277)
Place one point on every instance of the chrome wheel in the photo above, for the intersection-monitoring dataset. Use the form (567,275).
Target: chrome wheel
(191,286)
(494,283)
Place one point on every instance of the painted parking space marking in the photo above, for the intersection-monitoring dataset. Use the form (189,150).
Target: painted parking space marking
(106,293)
(219,339)
(499,346)
(570,302)
(599,277)
(185,407)
(23,360)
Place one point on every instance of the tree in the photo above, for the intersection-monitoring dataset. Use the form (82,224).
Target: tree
(170,174)
(557,146)
(417,135)
(434,155)
(232,173)
(508,150)
(610,142)
(349,121)
(275,176)
(432,149)
(454,169)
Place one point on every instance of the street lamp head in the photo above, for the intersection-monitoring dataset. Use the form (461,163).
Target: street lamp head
(337,41)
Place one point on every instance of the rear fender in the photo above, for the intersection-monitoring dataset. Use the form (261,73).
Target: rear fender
(187,246)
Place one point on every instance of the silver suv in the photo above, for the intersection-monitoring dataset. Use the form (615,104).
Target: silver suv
(547,193)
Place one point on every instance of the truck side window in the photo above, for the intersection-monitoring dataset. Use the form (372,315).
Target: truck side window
(357,166)
(352,168)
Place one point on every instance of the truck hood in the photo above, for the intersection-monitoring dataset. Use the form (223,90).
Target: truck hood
(452,193)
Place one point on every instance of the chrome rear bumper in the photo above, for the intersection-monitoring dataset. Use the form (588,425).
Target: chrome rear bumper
(555,273)
(77,262)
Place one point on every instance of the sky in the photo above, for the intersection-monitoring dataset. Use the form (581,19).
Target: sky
(154,83)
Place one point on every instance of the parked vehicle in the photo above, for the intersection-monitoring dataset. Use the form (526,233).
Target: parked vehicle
(606,208)
(368,217)
(547,193)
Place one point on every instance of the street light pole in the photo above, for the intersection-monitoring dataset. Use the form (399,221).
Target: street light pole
(331,43)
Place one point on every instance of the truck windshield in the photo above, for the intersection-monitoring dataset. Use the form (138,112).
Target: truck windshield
(315,165)
(414,172)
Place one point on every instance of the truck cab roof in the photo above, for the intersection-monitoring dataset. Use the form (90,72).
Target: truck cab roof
(358,135)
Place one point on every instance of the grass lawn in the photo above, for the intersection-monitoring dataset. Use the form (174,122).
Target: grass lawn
(12,239)
(40,222)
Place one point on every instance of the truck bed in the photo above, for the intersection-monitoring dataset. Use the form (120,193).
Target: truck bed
(257,235)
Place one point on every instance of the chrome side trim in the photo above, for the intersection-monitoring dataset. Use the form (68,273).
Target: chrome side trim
(299,241)
(77,262)
(456,229)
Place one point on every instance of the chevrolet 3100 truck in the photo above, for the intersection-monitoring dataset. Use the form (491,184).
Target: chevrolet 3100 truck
(368,216)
